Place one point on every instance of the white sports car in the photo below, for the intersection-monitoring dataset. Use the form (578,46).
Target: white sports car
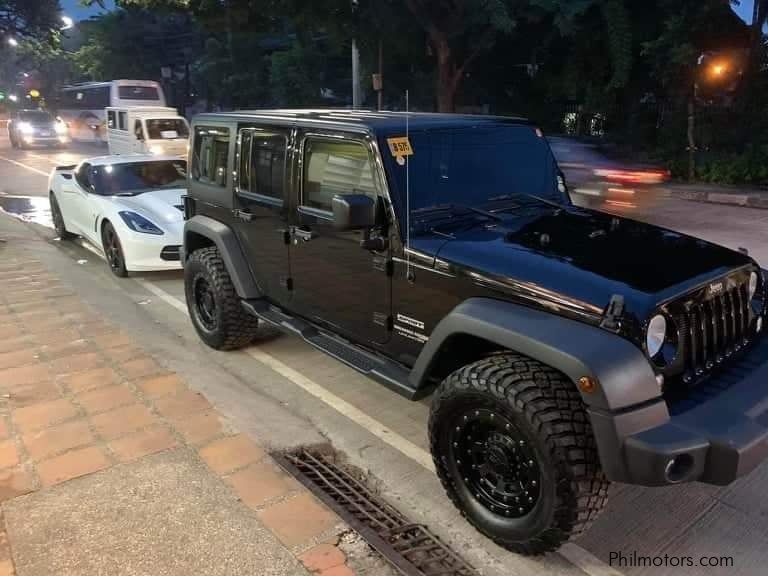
(129,206)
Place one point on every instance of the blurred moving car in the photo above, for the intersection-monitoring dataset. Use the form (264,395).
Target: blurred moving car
(36,127)
(128,206)
(591,173)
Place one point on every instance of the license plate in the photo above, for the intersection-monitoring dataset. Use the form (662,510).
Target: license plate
(45,133)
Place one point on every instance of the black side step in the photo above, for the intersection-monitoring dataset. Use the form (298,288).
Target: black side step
(389,373)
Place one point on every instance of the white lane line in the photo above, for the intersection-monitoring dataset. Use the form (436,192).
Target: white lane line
(45,158)
(573,553)
(164,296)
(30,168)
(357,416)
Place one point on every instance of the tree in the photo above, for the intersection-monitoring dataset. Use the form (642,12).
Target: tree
(458,32)
(29,18)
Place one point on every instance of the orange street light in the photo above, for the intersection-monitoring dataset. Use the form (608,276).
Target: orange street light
(718,70)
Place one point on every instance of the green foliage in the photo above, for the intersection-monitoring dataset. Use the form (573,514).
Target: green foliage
(748,167)
(29,18)
(295,77)
(128,43)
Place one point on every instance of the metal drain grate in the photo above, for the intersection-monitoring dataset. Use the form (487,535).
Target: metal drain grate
(411,548)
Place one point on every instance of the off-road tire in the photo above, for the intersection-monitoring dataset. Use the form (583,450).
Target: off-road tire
(234,327)
(546,407)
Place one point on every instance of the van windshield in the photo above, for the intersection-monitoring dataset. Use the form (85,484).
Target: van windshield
(35,116)
(167,128)
(138,177)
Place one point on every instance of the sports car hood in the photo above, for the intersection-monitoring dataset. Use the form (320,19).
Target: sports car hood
(586,256)
(160,206)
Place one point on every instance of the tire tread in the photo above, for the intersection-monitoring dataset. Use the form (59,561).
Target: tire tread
(553,407)
(238,328)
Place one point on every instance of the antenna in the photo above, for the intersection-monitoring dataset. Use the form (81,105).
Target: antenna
(408,270)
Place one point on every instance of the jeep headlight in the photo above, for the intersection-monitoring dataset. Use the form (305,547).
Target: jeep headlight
(655,335)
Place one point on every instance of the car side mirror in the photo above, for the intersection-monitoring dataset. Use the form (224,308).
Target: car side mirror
(353,212)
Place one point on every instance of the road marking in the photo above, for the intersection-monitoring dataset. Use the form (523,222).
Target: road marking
(30,168)
(46,158)
(576,555)
(357,416)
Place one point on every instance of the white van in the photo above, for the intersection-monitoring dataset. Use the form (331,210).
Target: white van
(147,130)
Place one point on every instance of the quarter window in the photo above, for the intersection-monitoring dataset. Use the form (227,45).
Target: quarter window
(210,154)
(332,168)
(262,163)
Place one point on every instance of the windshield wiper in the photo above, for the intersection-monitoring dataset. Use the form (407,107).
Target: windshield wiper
(453,207)
(523,197)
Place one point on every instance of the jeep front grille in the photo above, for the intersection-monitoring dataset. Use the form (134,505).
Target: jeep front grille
(714,329)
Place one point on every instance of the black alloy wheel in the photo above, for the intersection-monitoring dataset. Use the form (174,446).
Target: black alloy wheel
(213,304)
(497,462)
(204,303)
(58,219)
(113,250)
(514,450)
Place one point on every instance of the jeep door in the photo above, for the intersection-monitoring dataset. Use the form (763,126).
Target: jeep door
(337,282)
(261,206)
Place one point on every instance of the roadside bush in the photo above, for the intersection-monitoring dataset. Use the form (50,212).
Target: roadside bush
(749,167)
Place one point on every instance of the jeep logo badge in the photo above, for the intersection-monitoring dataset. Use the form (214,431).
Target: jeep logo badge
(716,288)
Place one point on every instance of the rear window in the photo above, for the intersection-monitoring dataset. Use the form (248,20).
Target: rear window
(138,93)
(137,177)
(210,155)
(165,128)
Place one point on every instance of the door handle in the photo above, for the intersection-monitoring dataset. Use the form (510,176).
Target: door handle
(305,235)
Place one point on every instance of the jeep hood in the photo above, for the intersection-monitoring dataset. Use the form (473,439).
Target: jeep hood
(585,256)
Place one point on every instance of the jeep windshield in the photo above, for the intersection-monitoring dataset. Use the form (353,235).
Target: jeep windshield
(474,166)
(135,178)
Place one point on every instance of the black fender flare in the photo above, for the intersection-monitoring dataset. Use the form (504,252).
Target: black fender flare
(229,247)
(623,373)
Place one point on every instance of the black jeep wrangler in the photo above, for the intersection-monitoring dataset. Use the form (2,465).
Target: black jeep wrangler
(441,254)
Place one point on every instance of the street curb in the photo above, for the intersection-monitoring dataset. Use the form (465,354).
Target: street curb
(751,200)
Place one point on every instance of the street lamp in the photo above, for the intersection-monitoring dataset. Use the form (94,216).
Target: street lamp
(67,21)
(13,42)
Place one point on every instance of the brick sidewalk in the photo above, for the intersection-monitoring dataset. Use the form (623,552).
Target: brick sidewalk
(78,396)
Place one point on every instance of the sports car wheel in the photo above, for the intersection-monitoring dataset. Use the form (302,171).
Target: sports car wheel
(213,304)
(113,250)
(58,220)
(514,449)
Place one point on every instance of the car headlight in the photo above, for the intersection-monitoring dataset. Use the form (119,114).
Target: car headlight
(26,128)
(655,335)
(60,128)
(753,279)
(138,223)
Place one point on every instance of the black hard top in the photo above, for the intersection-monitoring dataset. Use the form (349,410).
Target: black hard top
(361,119)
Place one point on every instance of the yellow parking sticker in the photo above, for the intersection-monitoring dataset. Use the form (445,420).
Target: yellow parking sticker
(400,147)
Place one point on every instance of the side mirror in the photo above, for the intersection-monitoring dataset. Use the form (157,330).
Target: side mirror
(353,212)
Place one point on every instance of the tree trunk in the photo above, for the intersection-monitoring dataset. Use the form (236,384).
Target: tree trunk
(692,137)
(447,78)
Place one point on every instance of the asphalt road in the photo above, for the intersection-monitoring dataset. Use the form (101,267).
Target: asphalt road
(287,393)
